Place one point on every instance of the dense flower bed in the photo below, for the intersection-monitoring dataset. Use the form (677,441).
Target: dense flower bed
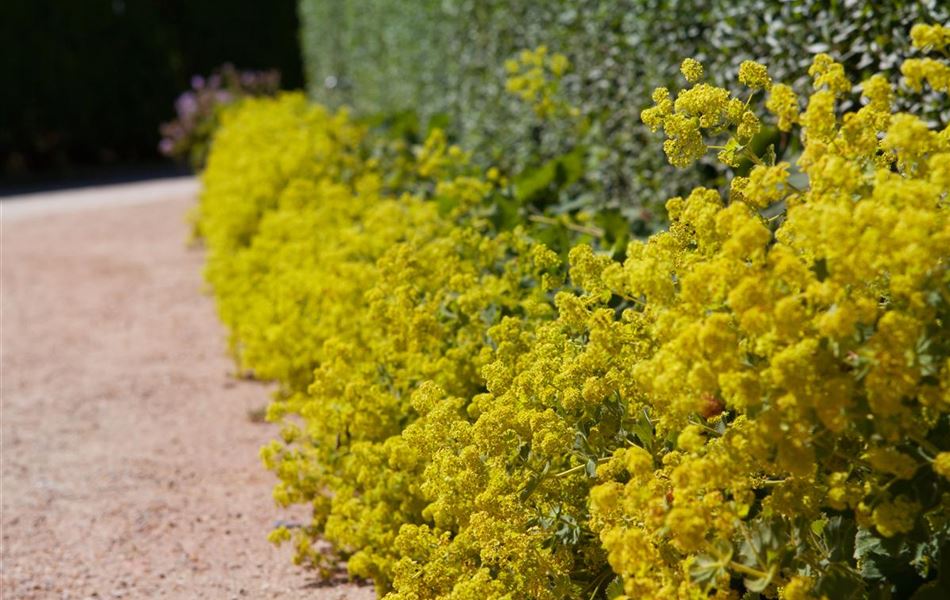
(476,404)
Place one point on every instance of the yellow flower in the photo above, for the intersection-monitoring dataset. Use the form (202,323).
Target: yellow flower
(691,438)
(783,103)
(798,588)
(916,71)
(941,464)
(828,73)
(559,64)
(692,70)
(819,118)
(764,185)
(894,517)
(755,75)
(930,37)
(890,460)
(684,144)
(535,77)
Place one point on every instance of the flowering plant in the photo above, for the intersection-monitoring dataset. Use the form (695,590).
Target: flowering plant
(197,111)
(754,403)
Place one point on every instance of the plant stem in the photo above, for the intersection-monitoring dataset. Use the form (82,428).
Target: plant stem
(594,231)
(925,444)
(581,467)
(746,570)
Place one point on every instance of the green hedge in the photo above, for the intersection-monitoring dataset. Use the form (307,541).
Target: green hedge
(444,59)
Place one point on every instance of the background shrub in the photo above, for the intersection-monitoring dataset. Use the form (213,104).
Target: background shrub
(198,110)
(445,59)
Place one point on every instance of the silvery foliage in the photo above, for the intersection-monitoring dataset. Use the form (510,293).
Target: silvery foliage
(443,60)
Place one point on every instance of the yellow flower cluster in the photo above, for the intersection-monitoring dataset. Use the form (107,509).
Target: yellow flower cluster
(264,146)
(930,37)
(777,352)
(936,73)
(783,103)
(756,401)
(691,69)
(705,108)
(535,77)
(919,70)
(754,75)
(369,303)
(829,74)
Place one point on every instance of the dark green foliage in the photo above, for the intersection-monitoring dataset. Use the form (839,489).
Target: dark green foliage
(88,82)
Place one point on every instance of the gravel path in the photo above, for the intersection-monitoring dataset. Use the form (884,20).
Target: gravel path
(129,461)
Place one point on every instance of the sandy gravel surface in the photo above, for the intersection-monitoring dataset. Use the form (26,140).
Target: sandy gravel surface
(129,462)
(26,206)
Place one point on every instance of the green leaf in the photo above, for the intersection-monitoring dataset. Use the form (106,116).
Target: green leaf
(615,589)
(591,467)
(616,228)
(643,429)
(532,183)
(895,559)
(506,214)
(707,568)
(821,269)
(570,166)
(766,537)
(840,581)
(870,554)
(535,480)
(838,536)
(758,584)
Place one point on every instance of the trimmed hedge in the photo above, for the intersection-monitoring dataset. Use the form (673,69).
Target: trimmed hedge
(444,59)
(754,403)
